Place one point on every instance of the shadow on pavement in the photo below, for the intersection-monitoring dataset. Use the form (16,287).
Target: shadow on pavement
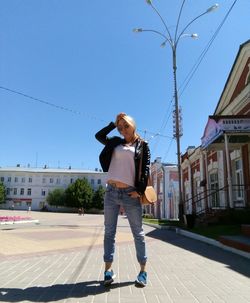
(57,292)
(233,261)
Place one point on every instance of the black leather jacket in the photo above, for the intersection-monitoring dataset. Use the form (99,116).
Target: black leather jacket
(141,179)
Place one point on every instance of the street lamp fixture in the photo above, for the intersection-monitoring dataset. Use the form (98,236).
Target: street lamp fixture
(137,30)
(212,8)
(193,36)
(173,40)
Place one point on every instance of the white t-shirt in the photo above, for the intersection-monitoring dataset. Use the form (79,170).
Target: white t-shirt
(122,165)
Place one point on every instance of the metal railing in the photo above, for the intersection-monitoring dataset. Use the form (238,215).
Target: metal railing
(216,199)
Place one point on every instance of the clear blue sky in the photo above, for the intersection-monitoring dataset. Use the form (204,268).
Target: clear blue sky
(83,56)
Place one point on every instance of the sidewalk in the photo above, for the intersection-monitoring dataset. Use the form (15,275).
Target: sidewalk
(60,260)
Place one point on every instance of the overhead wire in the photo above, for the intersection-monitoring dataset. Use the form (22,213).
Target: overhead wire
(168,149)
(60,107)
(190,75)
(203,53)
(184,84)
(49,103)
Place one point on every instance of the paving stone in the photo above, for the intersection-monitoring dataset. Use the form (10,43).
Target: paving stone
(60,260)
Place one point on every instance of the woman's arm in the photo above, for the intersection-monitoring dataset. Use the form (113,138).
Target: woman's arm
(101,136)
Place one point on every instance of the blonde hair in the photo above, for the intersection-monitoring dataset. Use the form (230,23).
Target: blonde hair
(130,121)
(126,118)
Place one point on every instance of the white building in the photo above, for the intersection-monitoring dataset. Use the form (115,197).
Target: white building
(30,186)
(165,181)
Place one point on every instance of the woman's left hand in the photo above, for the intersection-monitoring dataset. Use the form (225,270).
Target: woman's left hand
(134,194)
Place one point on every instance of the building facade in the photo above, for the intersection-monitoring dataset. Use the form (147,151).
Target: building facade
(29,187)
(165,182)
(217,173)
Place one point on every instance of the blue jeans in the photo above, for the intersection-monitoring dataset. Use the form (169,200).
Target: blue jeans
(114,198)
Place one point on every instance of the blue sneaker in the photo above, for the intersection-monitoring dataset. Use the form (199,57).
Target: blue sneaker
(141,279)
(109,277)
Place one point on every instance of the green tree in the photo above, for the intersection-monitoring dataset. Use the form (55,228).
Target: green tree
(79,194)
(2,193)
(98,198)
(56,197)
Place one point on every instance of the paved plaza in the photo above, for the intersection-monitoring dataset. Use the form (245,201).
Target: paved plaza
(59,259)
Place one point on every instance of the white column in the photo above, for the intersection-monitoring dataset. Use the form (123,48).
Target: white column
(207,179)
(202,177)
(229,178)
(190,197)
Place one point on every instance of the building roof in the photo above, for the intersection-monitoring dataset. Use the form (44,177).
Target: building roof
(49,170)
(231,71)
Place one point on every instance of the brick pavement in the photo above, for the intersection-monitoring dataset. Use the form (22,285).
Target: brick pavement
(60,260)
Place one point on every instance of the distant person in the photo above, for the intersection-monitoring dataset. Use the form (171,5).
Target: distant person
(125,184)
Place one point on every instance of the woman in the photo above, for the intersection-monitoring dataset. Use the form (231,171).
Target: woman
(127,161)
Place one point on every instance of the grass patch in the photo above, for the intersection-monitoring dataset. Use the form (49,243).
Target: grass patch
(161,222)
(214,231)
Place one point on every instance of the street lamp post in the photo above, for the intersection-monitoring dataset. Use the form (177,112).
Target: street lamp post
(173,42)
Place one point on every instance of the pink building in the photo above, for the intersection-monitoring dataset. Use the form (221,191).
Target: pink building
(216,174)
(165,181)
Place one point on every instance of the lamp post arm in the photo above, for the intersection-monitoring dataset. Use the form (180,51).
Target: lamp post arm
(160,34)
(178,20)
(179,36)
(164,23)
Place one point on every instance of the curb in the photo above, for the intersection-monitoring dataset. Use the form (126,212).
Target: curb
(160,226)
(202,239)
(212,242)
(18,222)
